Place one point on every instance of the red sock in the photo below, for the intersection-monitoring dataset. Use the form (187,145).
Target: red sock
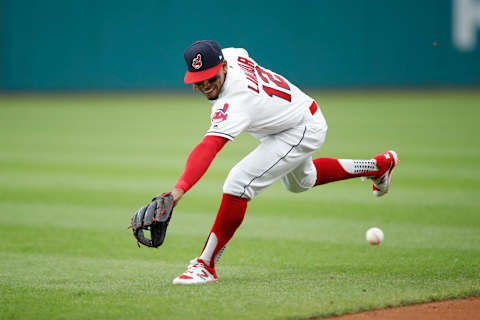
(229,217)
(330,169)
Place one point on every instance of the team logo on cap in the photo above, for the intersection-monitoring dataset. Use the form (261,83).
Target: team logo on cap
(197,62)
(221,114)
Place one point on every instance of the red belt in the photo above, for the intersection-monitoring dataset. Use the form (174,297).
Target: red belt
(313,108)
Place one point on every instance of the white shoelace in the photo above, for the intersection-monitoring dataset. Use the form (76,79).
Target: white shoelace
(194,264)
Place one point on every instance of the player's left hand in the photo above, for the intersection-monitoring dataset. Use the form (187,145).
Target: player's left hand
(155,217)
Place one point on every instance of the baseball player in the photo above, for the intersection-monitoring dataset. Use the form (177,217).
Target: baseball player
(247,97)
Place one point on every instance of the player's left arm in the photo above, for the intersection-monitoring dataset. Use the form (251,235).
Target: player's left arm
(197,164)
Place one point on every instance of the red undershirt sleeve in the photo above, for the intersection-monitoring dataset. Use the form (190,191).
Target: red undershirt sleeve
(199,160)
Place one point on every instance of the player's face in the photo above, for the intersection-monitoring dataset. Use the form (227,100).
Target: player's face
(211,87)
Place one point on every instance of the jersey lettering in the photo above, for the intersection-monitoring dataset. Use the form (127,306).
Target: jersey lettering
(248,68)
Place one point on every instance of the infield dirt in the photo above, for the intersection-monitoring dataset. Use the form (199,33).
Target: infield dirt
(457,309)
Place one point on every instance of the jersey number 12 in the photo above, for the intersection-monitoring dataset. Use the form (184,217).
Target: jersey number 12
(268,77)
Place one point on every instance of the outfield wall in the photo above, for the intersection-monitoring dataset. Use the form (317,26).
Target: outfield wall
(117,44)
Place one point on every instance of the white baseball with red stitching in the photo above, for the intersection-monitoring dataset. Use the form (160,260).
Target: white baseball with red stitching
(375,236)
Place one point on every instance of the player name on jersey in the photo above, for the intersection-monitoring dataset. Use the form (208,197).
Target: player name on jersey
(249,68)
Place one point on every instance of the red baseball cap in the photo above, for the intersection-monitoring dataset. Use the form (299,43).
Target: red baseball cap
(204,60)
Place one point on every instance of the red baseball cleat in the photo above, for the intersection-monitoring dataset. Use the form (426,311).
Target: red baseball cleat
(197,273)
(386,162)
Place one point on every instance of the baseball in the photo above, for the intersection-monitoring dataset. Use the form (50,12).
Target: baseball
(374,236)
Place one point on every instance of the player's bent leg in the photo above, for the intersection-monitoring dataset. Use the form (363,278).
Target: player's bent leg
(229,217)
(275,157)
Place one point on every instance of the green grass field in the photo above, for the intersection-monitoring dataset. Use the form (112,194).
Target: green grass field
(73,169)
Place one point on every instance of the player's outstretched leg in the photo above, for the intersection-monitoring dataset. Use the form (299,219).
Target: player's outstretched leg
(229,217)
(379,169)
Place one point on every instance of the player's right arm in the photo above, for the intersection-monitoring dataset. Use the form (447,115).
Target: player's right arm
(197,164)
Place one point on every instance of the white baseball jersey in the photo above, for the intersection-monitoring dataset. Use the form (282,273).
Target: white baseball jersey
(255,100)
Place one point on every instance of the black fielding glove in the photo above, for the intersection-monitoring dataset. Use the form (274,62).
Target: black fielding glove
(155,217)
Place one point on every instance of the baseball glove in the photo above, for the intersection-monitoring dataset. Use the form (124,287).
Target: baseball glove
(155,217)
